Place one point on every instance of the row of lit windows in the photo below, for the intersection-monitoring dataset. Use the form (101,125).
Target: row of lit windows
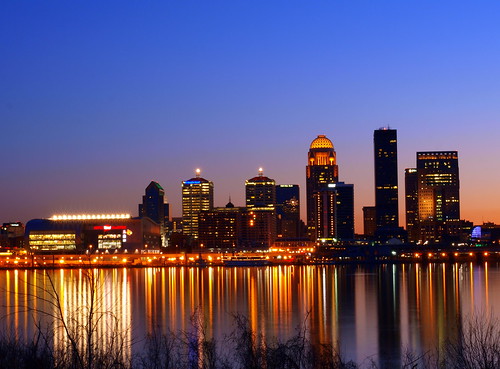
(51,242)
(52,236)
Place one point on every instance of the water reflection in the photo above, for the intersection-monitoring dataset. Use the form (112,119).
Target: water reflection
(370,312)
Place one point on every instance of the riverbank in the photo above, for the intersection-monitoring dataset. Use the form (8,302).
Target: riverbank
(247,258)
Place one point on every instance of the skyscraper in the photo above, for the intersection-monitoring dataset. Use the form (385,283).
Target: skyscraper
(411,203)
(335,211)
(259,221)
(155,207)
(438,195)
(288,211)
(260,191)
(197,195)
(321,170)
(386,177)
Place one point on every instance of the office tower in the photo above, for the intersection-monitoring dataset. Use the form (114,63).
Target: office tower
(386,177)
(155,207)
(197,195)
(335,211)
(321,170)
(260,192)
(438,195)
(220,227)
(411,203)
(288,211)
(369,221)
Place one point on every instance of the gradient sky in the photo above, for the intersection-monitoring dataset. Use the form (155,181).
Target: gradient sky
(99,98)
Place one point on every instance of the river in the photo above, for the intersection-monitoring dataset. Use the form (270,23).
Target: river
(375,312)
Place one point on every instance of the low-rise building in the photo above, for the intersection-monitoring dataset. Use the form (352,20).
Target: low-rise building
(91,232)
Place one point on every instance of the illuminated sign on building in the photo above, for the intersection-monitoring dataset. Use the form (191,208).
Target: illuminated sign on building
(109,227)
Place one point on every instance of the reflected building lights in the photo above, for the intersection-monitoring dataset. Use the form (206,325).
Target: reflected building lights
(367,309)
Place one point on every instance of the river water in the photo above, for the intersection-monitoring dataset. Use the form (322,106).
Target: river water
(371,312)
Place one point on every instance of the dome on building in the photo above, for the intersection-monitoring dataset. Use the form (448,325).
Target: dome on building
(321,142)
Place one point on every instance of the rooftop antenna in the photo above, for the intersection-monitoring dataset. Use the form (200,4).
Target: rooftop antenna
(261,172)
(198,171)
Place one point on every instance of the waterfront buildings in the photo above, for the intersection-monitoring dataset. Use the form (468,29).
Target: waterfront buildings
(486,234)
(93,232)
(386,177)
(155,207)
(321,170)
(237,227)
(288,211)
(220,227)
(437,198)
(197,195)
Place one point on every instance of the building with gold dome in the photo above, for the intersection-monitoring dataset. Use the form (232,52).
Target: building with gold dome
(321,170)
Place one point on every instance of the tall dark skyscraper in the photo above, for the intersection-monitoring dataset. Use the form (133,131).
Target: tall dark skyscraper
(288,211)
(321,170)
(197,195)
(386,177)
(335,211)
(155,207)
(260,192)
(411,203)
(438,195)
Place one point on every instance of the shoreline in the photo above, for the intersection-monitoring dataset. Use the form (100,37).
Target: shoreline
(197,260)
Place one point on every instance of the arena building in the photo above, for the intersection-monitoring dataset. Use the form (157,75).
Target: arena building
(91,232)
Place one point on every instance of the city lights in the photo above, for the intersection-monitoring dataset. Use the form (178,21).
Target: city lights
(90,216)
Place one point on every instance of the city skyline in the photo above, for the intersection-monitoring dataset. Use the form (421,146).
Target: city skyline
(197,172)
(99,100)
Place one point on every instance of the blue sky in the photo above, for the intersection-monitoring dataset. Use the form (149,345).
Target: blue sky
(99,98)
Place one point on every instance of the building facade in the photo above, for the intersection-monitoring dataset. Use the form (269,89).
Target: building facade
(237,227)
(433,198)
(260,192)
(197,195)
(258,228)
(321,170)
(411,204)
(220,227)
(288,211)
(335,212)
(11,236)
(155,207)
(369,221)
(92,232)
(386,177)
(438,195)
